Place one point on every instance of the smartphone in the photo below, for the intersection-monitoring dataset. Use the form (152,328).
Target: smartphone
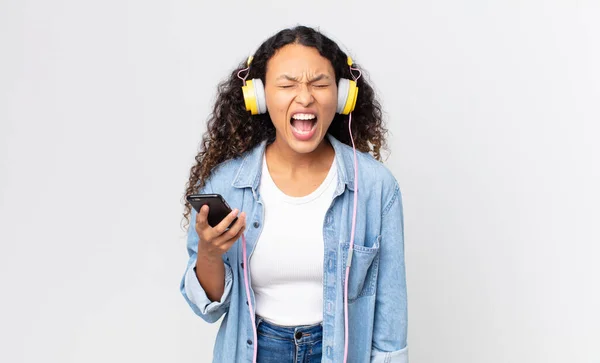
(217,207)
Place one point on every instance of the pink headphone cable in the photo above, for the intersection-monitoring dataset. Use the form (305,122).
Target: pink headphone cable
(351,248)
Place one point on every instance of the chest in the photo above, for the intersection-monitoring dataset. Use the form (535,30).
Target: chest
(298,185)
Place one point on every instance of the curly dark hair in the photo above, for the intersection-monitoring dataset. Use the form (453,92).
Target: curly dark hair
(231,130)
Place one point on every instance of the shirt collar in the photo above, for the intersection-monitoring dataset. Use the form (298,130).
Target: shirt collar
(249,171)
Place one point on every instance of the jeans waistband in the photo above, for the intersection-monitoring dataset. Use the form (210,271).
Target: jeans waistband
(300,334)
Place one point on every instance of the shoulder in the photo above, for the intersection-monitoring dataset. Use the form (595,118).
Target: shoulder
(378,187)
(380,177)
(372,172)
(383,189)
(223,174)
(227,169)
(377,170)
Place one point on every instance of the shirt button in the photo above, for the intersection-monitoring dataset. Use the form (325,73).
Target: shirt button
(249,342)
(256,224)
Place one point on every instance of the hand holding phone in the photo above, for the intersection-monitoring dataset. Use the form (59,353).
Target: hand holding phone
(216,224)
(218,207)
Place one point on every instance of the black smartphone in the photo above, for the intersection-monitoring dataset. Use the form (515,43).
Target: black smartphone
(217,207)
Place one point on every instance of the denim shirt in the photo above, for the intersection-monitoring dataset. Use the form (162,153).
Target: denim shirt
(377,300)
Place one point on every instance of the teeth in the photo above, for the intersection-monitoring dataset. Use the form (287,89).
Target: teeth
(304,116)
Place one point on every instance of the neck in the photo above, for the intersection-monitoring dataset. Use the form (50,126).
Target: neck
(284,159)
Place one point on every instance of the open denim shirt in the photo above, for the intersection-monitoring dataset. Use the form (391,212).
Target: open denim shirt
(377,300)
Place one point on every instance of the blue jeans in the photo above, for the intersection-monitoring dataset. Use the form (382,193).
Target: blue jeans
(285,344)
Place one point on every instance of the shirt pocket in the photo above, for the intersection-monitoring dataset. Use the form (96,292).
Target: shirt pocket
(363,269)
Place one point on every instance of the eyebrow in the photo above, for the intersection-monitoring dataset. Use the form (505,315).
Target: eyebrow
(295,79)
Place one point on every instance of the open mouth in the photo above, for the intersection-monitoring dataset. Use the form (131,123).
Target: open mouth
(303,123)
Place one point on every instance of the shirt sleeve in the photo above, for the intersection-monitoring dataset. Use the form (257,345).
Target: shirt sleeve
(391,315)
(190,287)
(196,297)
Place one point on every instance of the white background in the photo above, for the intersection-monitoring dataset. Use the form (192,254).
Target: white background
(493,108)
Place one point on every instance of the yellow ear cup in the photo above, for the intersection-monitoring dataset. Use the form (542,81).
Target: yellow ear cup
(347,94)
(351,100)
(250,97)
(254,96)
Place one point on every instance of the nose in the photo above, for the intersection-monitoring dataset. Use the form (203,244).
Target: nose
(304,96)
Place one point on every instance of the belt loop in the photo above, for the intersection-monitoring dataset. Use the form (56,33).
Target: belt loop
(258,320)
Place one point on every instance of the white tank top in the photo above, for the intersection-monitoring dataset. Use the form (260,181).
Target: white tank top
(286,266)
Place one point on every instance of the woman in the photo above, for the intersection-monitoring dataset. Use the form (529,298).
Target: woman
(291,173)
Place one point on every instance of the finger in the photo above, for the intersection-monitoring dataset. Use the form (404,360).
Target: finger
(222,226)
(227,245)
(233,231)
(202,221)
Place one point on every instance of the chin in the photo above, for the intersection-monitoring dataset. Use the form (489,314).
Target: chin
(304,146)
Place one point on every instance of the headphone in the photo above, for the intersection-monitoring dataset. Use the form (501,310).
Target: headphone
(255,100)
